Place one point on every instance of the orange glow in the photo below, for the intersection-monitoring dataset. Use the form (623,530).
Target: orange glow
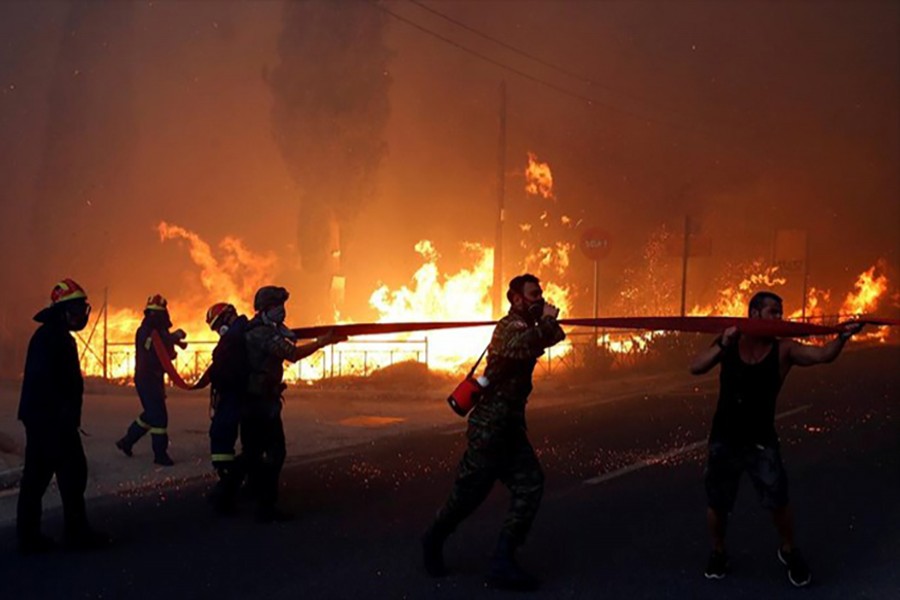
(538,178)
(232,272)
(433,296)
(817,302)
(733,299)
(869,289)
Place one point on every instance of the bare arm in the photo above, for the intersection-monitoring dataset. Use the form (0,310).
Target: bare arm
(802,355)
(710,357)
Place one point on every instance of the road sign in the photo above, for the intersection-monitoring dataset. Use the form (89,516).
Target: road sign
(595,243)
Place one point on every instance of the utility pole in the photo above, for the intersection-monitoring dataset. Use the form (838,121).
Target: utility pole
(105,331)
(805,274)
(498,286)
(684,261)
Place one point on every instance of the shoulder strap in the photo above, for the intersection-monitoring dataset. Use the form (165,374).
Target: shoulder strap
(478,362)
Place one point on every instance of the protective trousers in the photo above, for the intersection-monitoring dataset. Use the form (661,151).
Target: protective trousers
(154,420)
(223,434)
(262,435)
(495,454)
(52,451)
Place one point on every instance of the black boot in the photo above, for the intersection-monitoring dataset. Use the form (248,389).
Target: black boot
(125,447)
(223,496)
(433,551)
(160,443)
(504,573)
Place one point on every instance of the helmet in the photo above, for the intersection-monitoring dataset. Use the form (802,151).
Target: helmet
(156,302)
(269,296)
(216,312)
(65,291)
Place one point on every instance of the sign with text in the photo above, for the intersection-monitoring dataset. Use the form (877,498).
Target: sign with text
(790,250)
(595,243)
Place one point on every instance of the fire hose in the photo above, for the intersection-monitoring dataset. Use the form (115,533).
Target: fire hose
(753,327)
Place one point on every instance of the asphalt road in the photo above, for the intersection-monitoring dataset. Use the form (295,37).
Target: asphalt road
(623,515)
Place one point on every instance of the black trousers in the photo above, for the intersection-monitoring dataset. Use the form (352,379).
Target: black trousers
(262,437)
(52,451)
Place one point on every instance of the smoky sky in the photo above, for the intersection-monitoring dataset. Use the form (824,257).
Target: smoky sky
(330,90)
(266,120)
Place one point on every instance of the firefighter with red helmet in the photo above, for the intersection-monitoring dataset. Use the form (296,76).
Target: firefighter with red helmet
(228,375)
(50,410)
(269,345)
(149,382)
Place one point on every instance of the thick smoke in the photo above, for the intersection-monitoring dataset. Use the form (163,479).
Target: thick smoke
(68,129)
(89,142)
(330,111)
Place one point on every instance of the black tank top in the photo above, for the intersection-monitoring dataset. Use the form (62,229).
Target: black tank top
(745,413)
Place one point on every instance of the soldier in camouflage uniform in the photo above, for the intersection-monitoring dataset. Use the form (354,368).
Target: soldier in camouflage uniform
(498,446)
(269,344)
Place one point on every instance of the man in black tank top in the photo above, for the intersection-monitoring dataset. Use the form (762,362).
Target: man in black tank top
(743,434)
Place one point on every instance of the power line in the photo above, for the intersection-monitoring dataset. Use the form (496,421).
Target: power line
(528,55)
(583,79)
(557,88)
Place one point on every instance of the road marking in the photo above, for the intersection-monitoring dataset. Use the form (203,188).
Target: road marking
(653,460)
(370,421)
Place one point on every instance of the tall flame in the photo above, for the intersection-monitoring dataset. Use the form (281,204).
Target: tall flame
(234,277)
(461,296)
(869,289)
(538,178)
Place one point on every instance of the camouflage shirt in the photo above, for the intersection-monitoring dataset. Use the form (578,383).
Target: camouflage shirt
(267,349)
(512,354)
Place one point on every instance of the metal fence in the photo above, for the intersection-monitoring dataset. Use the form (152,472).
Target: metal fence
(360,357)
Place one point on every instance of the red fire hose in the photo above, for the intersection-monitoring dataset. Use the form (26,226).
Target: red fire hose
(755,327)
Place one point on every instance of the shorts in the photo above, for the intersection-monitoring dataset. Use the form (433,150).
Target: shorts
(726,463)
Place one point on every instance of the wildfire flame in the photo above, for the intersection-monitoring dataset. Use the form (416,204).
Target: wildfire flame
(461,296)
(232,277)
(538,178)
(869,290)
(733,299)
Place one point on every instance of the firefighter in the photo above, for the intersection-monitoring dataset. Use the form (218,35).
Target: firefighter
(149,382)
(498,446)
(228,376)
(269,345)
(50,410)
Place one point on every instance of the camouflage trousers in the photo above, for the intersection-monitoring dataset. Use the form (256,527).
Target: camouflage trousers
(495,454)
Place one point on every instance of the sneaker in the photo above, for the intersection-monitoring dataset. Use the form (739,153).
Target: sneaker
(717,566)
(797,569)
(124,447)
(164,459)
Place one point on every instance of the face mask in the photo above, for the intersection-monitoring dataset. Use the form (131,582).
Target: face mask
(536,309)
(276,315)
(78,318)
(222,330)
